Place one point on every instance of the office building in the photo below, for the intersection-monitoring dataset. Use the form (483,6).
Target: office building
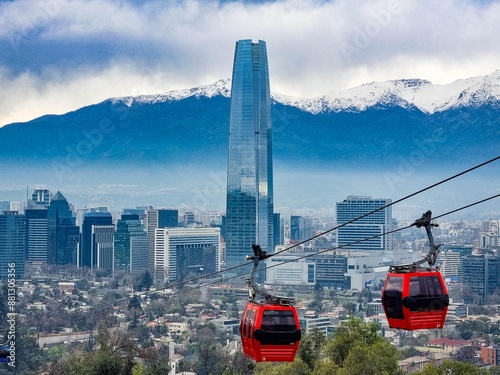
(158,218)
(36,234)
(16,206)
(279,230)
(12,244)
(39,197)
(183,251)
(367,233)
(249,204)
(188,218)
(80,213)
(481,277)
(130,245)
(331,271)
(451,268)
(102,251)
(322,323)
(290,269)
(88,253)
(301,228)
(63,236)
(141,211)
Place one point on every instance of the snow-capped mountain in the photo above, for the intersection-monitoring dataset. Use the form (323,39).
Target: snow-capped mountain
(398,132)
(221,87)
(404,93)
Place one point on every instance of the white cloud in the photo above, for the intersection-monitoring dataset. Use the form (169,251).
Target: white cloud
(61,55)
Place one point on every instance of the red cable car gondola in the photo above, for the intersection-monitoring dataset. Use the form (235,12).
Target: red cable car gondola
(415,297)
(269,329)
(270,333)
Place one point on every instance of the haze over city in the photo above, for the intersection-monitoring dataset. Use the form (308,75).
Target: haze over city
(63,55)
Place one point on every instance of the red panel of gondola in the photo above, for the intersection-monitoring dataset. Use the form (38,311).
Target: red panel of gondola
(270,333)
(415,300)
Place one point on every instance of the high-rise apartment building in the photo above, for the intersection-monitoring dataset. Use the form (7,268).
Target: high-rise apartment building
(63,236)
(88,253)
(249,204)
(12,244)
(131,245)
(366,233)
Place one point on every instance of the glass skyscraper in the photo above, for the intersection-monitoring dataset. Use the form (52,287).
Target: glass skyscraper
(249,205)
(131,245)
(88,254)
(63,235)
(12,244)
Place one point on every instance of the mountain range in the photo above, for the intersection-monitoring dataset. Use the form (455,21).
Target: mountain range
(381,139)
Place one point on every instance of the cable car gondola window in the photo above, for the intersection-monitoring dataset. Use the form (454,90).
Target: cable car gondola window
(393,298)
(278,320)
(434,286)
(278,327)
(245,325)
(426,294)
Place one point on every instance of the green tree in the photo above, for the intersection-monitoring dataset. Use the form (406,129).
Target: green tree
(29,357)
(238,364)
(379,358)
(297,367)
(311,347)
(325,367)
(155,364)
(349,334)
(453,368)
(143,282)
(466,354)
(211,360)
(115,355)
(134,307)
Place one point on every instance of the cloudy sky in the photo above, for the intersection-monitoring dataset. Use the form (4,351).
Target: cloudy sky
(60,55)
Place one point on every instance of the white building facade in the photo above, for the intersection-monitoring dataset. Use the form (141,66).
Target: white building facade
(179,251)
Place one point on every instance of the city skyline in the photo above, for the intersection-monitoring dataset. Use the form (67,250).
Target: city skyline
(64,55)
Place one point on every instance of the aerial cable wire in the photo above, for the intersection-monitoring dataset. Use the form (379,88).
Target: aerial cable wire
(323,233)
(388,205)
(342,246)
